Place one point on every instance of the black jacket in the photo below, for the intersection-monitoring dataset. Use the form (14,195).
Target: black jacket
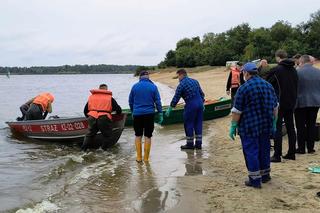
(284,79)
(115,107)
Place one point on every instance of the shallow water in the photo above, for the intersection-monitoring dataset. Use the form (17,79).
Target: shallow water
(39,176)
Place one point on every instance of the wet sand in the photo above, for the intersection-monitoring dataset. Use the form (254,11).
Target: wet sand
(221,189)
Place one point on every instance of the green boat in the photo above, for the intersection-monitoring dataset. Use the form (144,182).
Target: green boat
(213,109)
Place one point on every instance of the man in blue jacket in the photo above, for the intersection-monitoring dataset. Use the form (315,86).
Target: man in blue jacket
(189,89)
(143,99)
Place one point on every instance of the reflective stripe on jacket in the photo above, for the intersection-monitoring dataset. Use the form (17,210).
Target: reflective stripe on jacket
(43,100)
(235,77)
(100,103)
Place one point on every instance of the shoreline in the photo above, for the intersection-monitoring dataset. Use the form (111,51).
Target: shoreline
(292,188)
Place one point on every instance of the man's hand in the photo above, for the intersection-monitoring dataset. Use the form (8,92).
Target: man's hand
(168,111)
(233,129)
(160,118)
(228,92)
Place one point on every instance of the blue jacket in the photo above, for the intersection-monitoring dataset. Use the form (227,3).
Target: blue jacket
(187,89)
(144,97)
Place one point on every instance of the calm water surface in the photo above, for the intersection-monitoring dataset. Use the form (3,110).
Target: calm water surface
(38,176)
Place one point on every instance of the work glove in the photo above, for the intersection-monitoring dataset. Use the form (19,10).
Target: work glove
(168,111)
(233,129)
(274,125)
(160,118)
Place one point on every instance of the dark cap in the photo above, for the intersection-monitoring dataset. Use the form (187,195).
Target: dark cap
(182,72)
(102,85)
(143,73)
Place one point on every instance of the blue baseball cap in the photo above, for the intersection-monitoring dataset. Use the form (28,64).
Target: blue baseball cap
(250,67)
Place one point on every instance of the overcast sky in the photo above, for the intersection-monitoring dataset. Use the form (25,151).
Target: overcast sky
(58,32)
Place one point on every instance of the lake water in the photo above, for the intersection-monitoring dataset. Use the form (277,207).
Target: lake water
(39,176)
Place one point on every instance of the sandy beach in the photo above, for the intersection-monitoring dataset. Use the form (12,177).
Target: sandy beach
(292,188)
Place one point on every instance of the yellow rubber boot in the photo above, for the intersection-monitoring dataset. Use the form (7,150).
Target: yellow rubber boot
(147,147)
(138,149)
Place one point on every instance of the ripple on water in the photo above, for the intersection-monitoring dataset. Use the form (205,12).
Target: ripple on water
(44,206)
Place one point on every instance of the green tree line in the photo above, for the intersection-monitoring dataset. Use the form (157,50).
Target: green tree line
(67,69)
(245,43)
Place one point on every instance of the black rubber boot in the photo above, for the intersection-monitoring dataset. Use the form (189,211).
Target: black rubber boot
(187,146)
(85,144)
(248,183)
(289,157)
(198,145)
(265,179)
(275,159)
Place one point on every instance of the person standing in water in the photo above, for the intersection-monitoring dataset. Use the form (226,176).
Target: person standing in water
(189,89)
(98,109)
(143,99)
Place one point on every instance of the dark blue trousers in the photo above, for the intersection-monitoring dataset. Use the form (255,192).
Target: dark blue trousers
(257,156)
(193,117)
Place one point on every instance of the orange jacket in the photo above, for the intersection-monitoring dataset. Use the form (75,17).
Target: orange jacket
(235,77)
(44,100)
(100,103)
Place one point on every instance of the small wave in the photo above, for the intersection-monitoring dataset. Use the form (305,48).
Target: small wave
(44,206)
(98,169)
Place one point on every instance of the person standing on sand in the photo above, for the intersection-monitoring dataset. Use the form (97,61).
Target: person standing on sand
(257,105)
(143,99)
(308,103)
(189,89)
(263,69)
(235,79)
(284,79)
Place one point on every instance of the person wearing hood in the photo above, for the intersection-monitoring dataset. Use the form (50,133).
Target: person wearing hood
(98,109)
(284,79)
(143,99)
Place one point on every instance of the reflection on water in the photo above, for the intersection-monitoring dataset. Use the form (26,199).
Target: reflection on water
(193,162)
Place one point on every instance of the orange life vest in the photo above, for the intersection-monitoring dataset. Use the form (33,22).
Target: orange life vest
(100,103)
(43,100)
(235,77)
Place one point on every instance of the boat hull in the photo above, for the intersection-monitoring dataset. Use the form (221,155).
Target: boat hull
(213,109)
(64,129)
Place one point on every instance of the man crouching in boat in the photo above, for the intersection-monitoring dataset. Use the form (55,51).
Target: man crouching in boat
(189,89)
(98,109)
(24,109)
(40,106)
